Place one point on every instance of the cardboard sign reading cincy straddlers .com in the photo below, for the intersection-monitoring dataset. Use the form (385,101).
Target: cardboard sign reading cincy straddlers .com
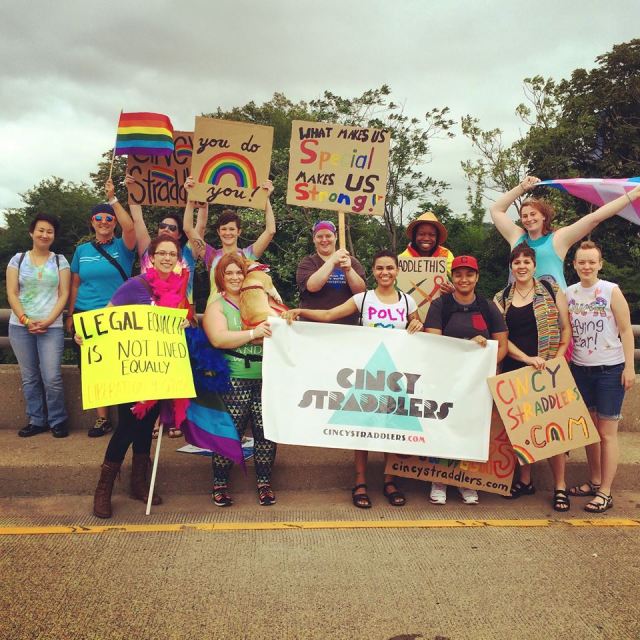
(338,168)
(493,476)
(543,411)
(230,162)
(160,179)
(421,279)
(133,353)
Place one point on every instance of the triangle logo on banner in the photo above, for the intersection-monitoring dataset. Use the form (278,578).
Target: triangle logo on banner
(372,408)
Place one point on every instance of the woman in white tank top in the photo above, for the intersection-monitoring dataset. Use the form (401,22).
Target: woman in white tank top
(602,365)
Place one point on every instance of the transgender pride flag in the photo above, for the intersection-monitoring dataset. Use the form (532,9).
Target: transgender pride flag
(599,191)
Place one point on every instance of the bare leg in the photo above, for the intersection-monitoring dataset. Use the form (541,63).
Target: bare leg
(525,474)
(558,464)
(608,430)
(360,461)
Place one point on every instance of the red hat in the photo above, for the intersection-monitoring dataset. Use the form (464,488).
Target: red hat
(465,261)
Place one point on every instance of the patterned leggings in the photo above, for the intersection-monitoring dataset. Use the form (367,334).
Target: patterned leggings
(244,403)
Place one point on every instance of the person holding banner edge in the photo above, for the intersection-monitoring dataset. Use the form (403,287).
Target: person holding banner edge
(228,227)
(98,268)
(329,277)
(463,314)
(537,318)
(243,351)
(550,245)
(160,286)
(382,307)
(602,364)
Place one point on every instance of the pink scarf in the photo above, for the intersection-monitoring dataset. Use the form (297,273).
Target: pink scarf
(169,292)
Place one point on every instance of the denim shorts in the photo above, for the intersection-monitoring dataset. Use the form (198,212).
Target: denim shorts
(601,388)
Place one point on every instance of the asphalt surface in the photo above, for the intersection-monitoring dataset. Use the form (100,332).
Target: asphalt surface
(501,569)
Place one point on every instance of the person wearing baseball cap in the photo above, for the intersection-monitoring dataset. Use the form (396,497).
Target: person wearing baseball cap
(329,277)
(465,315)
(426,236)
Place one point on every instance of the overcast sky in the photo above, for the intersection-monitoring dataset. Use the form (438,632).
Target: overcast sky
(68,67)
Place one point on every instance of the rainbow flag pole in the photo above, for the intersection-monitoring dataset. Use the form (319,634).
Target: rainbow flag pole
(113,150)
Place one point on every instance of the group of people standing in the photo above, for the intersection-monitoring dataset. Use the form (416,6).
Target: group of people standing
(531,319)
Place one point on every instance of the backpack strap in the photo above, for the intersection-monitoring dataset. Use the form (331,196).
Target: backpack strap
(362,308)
(105,254)
(448,308)
(20,260)
(549,287)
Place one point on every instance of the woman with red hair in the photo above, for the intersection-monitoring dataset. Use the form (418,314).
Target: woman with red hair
(550,245)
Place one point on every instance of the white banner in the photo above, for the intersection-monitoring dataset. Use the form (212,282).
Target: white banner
(328,385)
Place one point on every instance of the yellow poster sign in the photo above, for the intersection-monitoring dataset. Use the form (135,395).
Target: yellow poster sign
(133,353)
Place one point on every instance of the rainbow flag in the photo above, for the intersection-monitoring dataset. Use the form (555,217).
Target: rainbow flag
(599,191)
(144,134)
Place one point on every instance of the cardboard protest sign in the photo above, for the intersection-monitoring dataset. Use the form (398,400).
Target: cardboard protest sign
(380,390)
(230,162)
(160,179)
(338,168)
(133,353)
(493,476)
(543,411)
(421,278)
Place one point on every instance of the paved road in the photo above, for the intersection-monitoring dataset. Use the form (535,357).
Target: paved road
(540,576)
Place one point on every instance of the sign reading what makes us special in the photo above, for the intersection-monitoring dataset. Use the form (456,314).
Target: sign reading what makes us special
(381,390)
(543,411)
(230,162)
(132,353)
(421,278)
(160,179)
(338,168)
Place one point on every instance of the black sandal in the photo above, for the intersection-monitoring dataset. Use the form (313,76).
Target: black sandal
(603,503)
(521,489)
(561,500)
(396,498)
(360,500)
(578,491)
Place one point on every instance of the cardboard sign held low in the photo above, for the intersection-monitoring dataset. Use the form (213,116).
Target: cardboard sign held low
(543,411)
(493,476)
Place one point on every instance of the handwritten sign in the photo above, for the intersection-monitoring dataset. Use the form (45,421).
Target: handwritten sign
(543,411)
(493,476)
(421,278)
(230,162)
(132,353)
(339,168)
(160,179)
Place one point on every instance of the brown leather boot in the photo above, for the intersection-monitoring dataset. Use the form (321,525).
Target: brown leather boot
(102,496)
(141,478)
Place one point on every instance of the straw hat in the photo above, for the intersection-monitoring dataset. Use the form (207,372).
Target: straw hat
(429,217)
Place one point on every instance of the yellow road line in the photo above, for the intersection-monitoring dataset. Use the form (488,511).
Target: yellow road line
(337,524)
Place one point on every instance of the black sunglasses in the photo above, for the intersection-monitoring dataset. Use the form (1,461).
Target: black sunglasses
(166,225)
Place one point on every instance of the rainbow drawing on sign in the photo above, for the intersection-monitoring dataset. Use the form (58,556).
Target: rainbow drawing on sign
(229,164)
(554,432)
(524,457)
(160,173)
(183,149)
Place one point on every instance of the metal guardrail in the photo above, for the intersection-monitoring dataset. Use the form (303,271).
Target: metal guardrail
(6,313)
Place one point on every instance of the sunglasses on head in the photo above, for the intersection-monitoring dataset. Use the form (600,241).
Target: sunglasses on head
(166,225)
(100,216)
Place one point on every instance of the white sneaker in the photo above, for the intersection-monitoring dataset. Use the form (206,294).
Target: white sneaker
(438,494)
(469,496)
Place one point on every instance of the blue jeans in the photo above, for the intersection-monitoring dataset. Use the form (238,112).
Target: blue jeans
(601,389)
(40,359)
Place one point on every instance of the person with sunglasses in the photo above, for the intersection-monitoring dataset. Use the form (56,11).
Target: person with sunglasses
(99,267)
(171,226)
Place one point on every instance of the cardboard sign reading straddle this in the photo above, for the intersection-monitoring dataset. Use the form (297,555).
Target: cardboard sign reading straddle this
(493,476)
(543,411)
(132,353)
(160,179)
(231,160)
(421,278)
(338,168)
